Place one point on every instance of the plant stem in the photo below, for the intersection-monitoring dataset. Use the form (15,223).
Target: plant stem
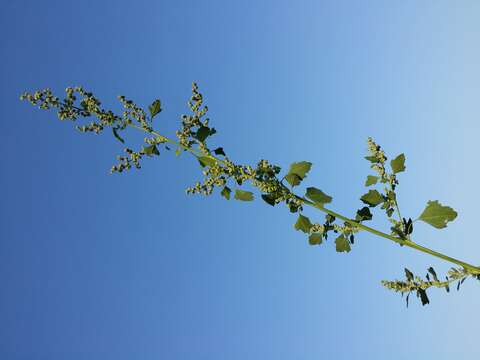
(173,142)
(471,268)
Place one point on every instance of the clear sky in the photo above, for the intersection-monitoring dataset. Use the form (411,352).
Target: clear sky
(98,266)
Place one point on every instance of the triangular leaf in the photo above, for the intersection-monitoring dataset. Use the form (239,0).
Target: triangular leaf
(315,239)
(342,244)
(297,172)
(206,161)
(371,180)
(372,198)
(151,150)
(155,108)
(300,168)
(243,195)
(434,274)
(422,294)
(293,179)
(303,224)
(269,199)
(363,214)
(219,151)
(318,196)
(226,192)
(437,215)
(398,164)
(203,132)
(409,275)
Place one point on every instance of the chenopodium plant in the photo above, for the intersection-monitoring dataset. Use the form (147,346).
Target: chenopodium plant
(220,172)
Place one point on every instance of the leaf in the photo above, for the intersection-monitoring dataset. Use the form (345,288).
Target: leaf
(300,168)
(408,274)
(315,239)
(318,196)
(371,180)
(219,151)
(423,296)
(203,132)
(269,199)
(372,198)
(407,226)
(372,159)
(398,164)
(437,215)
(206,161)
(155,108)
(151,150)
(297,172)
(363,214)
(434,274)
(118,137)
(303,224)
(342,244)
(293,179)
(226,192)
(243,195)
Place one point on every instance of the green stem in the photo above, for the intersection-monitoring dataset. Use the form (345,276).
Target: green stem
(398,209)
(173,142)
(471,268)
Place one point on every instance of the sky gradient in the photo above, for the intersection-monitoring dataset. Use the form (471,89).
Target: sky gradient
(99,266)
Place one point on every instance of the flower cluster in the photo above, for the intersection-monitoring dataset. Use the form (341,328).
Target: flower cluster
(220,172)
(414,283)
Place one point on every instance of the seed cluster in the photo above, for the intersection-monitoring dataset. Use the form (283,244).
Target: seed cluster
(219,171)
(414,283)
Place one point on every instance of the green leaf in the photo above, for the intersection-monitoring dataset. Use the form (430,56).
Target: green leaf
(300,168)
(155,108)
(293,179)
(422,294)
(363,214)
(303,224)
(206,161)
(297,172)
(118,137)
(203,132)
(318,196)
(219,151)
(434,274)
(372,159)
(315,239)
(372,198)
(342,244)
(269,199)
(437,215)
(226,192)
(243,195)
(398,164)
(371,180)
(408,274)
(151,150)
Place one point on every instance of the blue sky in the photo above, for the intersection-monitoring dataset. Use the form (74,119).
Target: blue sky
(99,266)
